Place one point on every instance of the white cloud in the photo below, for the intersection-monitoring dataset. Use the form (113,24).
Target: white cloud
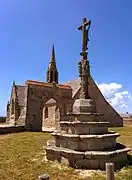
(123,106)
(109,89)
(119,99)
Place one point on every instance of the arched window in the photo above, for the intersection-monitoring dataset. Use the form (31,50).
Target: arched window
(46,112)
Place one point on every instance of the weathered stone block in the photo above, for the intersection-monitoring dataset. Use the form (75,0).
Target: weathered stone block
(71,144)
(77,127)
(60,142)
(87,163)
(83,105)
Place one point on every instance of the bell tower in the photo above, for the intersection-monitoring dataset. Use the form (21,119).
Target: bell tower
(52,72)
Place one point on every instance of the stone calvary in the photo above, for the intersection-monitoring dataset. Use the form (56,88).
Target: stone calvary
(41,105)
(83,139)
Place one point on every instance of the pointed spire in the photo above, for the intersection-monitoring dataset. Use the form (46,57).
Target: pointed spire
(53,55)
(52,73)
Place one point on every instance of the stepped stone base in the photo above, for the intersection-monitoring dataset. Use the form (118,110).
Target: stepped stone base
(84,127)
(85,142)
(87,159)
(84,117)
(48,129)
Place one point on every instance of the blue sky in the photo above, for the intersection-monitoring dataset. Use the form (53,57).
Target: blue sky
(28,28)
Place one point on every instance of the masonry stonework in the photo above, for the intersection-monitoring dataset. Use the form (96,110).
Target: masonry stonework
(27,103)
(83,139)
(38,94)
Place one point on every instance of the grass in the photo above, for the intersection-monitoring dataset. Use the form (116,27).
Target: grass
(22,158)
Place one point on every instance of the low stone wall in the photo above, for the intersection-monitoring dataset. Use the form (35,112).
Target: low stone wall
(127,121)
(2,119)
(11,129)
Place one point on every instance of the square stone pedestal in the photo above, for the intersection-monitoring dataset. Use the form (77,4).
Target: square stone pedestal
(83,140)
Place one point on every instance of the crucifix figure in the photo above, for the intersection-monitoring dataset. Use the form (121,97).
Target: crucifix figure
(86,24)
(83,65)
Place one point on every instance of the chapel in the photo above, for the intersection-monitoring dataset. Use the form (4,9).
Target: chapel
(42,105)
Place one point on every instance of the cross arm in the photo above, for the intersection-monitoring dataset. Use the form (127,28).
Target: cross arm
(87,23)
(84,25)
(79,28)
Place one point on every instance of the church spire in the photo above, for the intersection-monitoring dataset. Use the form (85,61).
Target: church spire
(52,72)
(53,55)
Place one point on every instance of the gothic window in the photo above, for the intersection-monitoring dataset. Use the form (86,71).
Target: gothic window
(46,112)
(12,107)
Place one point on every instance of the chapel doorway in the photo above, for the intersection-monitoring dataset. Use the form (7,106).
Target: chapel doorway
(51,115)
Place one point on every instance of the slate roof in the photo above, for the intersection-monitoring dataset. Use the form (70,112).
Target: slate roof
(75,85)
(20,94)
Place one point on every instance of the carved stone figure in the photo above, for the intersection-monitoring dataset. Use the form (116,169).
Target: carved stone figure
(85,38)
(83,65)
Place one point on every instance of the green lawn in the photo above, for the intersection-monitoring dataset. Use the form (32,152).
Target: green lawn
(22,158)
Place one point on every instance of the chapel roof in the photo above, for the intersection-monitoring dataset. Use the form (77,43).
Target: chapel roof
(75,85)
(20,94)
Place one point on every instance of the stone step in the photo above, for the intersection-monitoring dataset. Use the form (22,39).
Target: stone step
(77,127)
(83,117)
(85,142)
(44,129)
(87,159)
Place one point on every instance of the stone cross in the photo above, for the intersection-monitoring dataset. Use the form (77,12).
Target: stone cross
(83,65)
(84,37)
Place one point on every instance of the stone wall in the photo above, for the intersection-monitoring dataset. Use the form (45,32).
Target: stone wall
(127,121)
(38,94)
(21,119)
(2,119)
(57,117)
(51,114)
(49,120)
(11,129)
